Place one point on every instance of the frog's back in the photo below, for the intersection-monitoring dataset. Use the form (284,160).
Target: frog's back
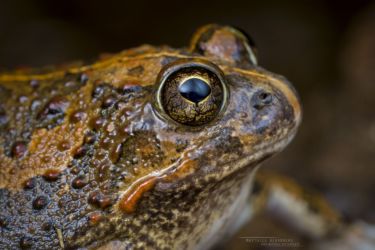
(45,114)
(53,125)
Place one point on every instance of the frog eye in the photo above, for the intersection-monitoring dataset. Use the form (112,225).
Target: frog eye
(191,93)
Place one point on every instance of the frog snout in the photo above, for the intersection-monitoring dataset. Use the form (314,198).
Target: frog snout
(288,100)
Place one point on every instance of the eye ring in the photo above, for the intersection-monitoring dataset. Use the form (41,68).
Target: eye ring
(186,64)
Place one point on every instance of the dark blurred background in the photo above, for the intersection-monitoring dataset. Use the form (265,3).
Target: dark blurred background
(326,48)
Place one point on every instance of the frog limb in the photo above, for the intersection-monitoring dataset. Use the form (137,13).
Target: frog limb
(300,209)
(359,235)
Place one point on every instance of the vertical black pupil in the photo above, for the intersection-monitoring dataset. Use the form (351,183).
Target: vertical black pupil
(194,89)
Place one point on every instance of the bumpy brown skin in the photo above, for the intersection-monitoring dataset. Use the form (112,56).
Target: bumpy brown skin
(88,161)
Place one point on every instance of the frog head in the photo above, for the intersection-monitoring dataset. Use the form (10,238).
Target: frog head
(214,112)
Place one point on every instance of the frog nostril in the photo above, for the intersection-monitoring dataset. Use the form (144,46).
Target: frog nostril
(261,99)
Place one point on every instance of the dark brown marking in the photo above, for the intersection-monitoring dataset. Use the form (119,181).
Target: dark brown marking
(26,242)
(40,202)
(80,152)
(47,226)
(51,175)
(29,184)
(79,182)
(4,221)
(18,149)
(100,200)
(95,217)
(90,138)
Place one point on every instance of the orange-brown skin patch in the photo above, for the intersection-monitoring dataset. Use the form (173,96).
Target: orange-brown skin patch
(43,153)
(187,167)
(55,148)
(129,201)
(47,149)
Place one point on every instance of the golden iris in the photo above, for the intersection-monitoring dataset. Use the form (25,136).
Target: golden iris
(191,93)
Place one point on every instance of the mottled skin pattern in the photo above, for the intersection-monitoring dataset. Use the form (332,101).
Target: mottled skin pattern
(87,159)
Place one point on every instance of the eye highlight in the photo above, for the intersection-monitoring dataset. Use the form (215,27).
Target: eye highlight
(191,92)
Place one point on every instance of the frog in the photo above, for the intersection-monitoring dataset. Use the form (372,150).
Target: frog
(150,148)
